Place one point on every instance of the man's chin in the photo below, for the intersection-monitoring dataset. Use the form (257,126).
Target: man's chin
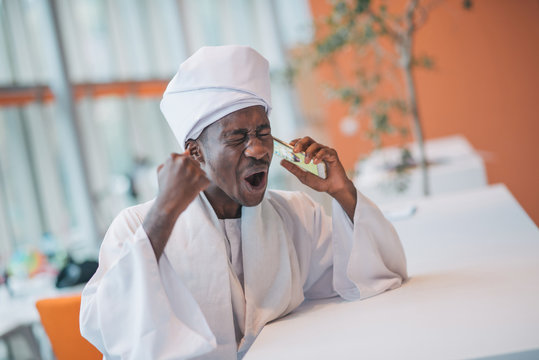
(253,199)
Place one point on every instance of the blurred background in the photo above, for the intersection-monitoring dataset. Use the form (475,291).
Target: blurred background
(81,132)
(80,83)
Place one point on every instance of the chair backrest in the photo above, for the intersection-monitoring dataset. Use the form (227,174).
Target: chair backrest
(60,319)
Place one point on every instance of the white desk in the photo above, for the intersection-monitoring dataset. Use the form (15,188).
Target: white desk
(473,261)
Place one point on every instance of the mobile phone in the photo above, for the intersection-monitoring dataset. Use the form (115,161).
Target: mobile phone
(286,151)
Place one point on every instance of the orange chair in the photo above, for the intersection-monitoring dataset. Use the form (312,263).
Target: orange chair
(60,318)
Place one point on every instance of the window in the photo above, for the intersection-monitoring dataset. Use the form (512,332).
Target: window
(80,138)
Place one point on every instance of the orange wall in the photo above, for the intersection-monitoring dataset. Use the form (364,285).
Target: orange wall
(485,86)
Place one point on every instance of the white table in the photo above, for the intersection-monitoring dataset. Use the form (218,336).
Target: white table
(473,261)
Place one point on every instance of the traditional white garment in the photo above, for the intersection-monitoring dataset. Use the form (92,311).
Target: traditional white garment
(232,231)
(185,305)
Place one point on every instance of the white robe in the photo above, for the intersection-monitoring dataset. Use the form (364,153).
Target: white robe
(185,305)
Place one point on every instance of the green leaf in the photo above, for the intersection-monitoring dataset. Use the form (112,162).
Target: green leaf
(350,95)
(362,6)
(398,104)
(423,61)
(340,8)
(333,42)
(404,131)
(381,122)
(369,32)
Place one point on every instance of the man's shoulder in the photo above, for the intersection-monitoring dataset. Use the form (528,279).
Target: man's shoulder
(128,221)
(135,213)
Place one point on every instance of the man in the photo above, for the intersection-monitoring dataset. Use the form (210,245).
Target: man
(198,271)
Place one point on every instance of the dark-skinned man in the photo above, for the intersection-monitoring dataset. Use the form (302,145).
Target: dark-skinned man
(198,271)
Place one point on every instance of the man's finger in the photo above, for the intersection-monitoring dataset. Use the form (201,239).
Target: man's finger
(312,150)
(293,142)
(326,154)
(160,167)
(303,143)
(300,174)
(304,177)
(193,162)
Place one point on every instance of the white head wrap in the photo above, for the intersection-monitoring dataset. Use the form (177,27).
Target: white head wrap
(214,82)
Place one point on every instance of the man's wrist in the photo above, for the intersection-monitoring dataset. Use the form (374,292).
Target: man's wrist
(347,198)
(346,192)
(158,226)
(165,208)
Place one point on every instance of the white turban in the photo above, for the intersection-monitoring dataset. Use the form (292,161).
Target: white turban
(214,82)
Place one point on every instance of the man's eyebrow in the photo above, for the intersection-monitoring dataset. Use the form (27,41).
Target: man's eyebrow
(243,131)
(263,127)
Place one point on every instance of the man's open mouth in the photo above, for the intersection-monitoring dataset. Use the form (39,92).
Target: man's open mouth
(256,180)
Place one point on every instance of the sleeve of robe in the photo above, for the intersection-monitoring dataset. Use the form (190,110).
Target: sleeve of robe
(126,310)
(355,259)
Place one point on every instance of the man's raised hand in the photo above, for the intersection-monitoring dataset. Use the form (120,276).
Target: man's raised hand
(180,181)
(336,183)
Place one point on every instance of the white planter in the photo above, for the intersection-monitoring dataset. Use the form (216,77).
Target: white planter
(456,166)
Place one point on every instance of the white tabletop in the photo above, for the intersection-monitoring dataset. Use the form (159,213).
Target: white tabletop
(473,261)
(21,309)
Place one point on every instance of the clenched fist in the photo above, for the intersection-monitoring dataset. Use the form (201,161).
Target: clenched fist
(180,180)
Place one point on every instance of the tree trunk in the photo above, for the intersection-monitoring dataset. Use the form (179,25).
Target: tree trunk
(418,130)
(412,100)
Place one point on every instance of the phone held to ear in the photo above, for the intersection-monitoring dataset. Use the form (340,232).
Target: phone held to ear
(286,151)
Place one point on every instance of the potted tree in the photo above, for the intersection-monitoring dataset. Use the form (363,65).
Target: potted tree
(379,85)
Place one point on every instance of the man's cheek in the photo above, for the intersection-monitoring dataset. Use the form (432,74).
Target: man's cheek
(227,163)
(228,169)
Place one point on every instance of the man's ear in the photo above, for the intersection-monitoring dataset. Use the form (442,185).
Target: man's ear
(195,150)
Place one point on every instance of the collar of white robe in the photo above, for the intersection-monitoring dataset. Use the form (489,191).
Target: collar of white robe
(214,82)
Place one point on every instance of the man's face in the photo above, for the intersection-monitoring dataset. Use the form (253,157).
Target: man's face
(237,153)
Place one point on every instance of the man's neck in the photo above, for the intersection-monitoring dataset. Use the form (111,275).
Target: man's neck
(224,206)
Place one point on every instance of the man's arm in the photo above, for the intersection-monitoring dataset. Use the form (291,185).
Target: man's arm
(180,181)
(133,300)
(336,184)
(367,255)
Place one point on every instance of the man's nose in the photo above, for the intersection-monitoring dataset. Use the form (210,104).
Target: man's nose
(255,148)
